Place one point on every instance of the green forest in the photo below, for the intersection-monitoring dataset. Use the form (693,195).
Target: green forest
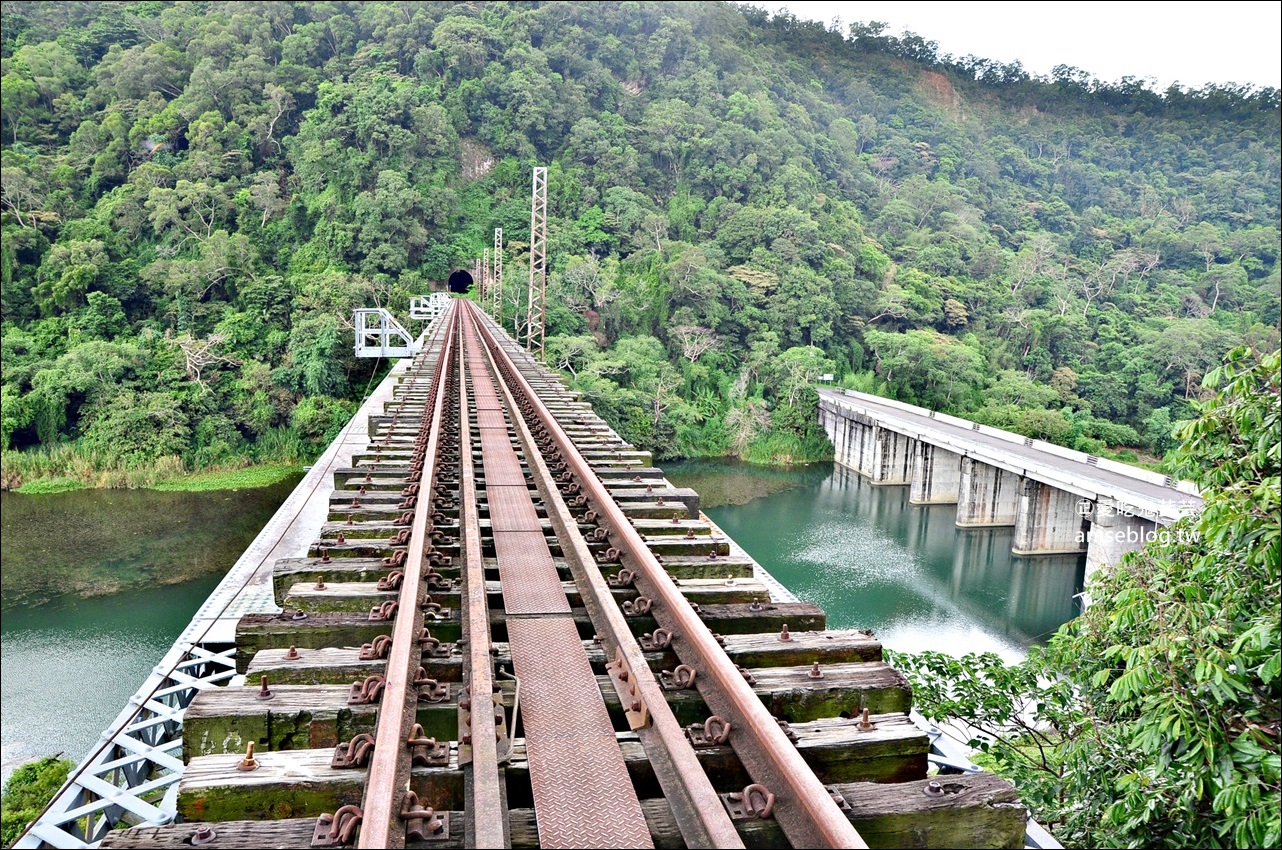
(196,196)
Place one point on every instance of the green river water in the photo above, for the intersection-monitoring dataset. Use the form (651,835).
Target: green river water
(98,584)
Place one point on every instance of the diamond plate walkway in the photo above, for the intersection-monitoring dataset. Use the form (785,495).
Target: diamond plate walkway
(583,796)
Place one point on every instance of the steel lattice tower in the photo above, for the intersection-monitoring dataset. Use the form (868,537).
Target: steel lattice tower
(538,262)
(497,282)
(484,292)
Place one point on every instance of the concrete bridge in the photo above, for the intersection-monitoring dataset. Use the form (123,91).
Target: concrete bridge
(1058,500)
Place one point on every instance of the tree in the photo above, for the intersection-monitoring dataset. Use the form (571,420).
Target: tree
(695,341)
(1155,718)
(19,193)
(799,368)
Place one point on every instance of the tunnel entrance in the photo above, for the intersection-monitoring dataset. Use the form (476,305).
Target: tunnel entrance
(460,282)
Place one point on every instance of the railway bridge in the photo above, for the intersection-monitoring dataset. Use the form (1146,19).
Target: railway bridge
(485,620)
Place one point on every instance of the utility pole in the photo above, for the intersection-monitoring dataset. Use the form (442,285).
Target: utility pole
(538,262)
(498,275)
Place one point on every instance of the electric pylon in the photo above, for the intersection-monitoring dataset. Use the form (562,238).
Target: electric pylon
(538,262)
(498,275)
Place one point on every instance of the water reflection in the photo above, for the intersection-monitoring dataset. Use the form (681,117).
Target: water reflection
(872,560)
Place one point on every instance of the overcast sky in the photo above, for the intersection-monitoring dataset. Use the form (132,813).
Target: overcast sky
(1189,43)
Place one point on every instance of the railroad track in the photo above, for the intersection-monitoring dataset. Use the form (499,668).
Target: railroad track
(513,631)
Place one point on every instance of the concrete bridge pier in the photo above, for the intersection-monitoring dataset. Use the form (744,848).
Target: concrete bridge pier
(1049,520)
(986,495)
(852,439)
(893,453)
(936,477)
(1113,533)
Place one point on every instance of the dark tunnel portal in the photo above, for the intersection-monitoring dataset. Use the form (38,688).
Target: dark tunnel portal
(460,282)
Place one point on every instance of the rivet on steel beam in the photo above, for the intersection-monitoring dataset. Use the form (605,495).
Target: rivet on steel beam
(292,655)
(815,672)
(865,725)
(320,583)
(251,763)
(784,634)
(263,692)
(203,835)
(933,789)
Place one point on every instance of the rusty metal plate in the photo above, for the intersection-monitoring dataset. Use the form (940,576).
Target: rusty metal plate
(583,796)
(531,584)
(495,444)
(506,476)
(511,508)
(482,400)
(486,419)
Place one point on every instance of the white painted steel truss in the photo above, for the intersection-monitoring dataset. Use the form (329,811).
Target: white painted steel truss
(132,776)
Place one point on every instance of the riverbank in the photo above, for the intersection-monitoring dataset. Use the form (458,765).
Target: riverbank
(163,476)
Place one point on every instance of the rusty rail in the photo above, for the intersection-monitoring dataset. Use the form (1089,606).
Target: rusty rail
(702,818)
(387,796)
(800,802)
(487,823)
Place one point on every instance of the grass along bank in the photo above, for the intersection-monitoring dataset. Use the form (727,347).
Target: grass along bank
(64,469)
(73,466)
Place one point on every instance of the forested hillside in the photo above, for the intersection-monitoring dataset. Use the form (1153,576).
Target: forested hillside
(196,196)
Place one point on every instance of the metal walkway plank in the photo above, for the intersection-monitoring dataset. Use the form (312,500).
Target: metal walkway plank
(531,584)
(583,796)
(510,507)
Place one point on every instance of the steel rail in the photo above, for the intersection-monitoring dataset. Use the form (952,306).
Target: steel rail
(702,819)
(486,816)
(804,809)
(388,779)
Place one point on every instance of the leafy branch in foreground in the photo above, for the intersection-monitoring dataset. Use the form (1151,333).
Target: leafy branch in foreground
(1155,718)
